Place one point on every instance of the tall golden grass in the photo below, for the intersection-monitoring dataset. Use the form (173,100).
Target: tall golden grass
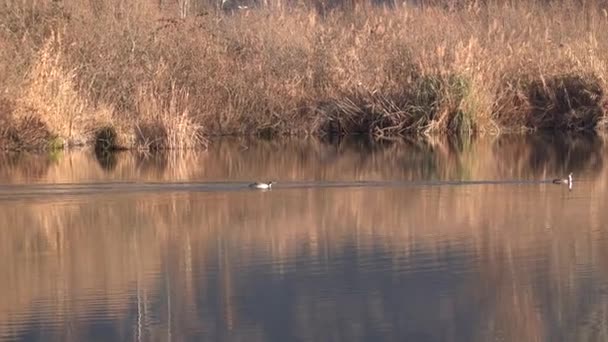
(150,76)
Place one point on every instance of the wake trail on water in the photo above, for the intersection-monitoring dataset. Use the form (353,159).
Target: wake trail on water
(24,191)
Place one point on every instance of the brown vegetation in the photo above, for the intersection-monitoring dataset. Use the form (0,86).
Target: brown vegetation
(156,77)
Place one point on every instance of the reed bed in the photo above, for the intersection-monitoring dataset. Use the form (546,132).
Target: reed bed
(153,76)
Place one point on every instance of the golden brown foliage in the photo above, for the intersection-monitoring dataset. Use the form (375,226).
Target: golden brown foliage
(164,82)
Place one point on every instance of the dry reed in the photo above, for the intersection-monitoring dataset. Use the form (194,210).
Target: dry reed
(159,81)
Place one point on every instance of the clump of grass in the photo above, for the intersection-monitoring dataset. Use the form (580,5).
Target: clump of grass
(106,139)
(55,144)
(166,124)
(49,92)
(430,103)
(437,104)
(566,102)
(6,112)
(28,133)
(563,102)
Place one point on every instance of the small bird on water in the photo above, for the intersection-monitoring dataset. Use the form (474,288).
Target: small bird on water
(564,181)
(258,185)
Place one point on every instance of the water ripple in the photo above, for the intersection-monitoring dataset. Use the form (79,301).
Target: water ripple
(33,191)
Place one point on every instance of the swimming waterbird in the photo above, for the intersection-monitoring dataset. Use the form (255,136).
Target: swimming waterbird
(258,185)
(563,180)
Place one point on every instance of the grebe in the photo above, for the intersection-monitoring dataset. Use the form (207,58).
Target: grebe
(564,180)
(258,185)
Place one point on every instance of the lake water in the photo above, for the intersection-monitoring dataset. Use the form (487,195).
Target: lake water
(431,240)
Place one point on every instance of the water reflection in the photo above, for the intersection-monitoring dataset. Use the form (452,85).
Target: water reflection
(522,262)
(506,157)
(107,159)
(558,153)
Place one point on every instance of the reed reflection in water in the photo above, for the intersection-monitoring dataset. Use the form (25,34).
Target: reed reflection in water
(512,262)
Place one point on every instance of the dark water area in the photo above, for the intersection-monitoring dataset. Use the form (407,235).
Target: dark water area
(432,240)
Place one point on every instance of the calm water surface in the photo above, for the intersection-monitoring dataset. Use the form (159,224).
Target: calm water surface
(421,241)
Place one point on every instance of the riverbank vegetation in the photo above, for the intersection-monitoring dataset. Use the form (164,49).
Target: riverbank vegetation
(153,75)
